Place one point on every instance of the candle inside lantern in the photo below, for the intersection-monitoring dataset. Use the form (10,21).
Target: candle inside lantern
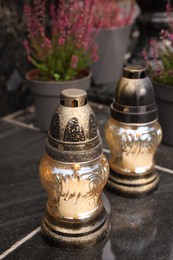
(136,164)
(137,149)
(74,189)
(133,146)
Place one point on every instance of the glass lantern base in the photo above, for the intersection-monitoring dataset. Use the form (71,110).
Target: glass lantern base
(79,234)
(133,186)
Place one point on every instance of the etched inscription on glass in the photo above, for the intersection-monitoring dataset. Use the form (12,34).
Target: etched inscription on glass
(74,189)
(132,146)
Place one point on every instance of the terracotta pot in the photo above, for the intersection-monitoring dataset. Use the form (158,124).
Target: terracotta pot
(112,46)
(164,99)
(46,94)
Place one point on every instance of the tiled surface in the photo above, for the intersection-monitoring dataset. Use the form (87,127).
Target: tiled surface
(141,229)
(22,198)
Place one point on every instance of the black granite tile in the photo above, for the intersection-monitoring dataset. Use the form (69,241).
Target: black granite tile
(141,229)
(12,232)
(164,156)
(20,152)
(43,250)
(17,210)
(22,198)
(27,116)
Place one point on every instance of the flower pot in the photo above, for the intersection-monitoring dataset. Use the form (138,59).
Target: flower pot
(164,99)
(46,94)
(112,46)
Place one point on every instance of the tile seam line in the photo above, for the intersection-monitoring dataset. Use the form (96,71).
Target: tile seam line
(18,112)
(160,168)
(19,243)
(11,115)
(21,124)
(156,166)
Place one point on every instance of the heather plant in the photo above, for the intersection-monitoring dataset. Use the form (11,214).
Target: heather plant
(112,14)
(65,48)
(159,58)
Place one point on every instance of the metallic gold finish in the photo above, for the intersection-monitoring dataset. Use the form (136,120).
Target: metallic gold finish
(73,135)
(74,98)
(74,172)
(134,188)
(77,234)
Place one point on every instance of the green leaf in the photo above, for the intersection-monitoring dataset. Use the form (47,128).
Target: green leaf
(56,76)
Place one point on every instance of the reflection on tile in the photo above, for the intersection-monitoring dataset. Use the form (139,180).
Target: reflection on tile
(141,229)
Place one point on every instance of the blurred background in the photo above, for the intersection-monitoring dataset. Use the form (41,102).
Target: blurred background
(149,18)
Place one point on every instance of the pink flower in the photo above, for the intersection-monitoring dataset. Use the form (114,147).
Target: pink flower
(74,61)
(168,8)
(110,14)
(27,10)
(95,56)
(47,43)
(152,42)
(145,56)
(70,25)
(26,45)
(29,58)
(61,41)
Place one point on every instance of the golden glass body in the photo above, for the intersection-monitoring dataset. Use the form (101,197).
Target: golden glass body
(74,189)
(132,146)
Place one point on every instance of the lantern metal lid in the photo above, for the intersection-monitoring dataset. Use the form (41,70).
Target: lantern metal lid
(134,100)
(73,134)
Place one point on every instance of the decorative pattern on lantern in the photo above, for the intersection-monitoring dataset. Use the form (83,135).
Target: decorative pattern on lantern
(74,172)
(74,190)
(133,134)
(133,148)
(92,127)
(74,131)
(54,129)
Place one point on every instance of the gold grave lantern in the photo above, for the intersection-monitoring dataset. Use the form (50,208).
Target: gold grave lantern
(133,134)
(74,171)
